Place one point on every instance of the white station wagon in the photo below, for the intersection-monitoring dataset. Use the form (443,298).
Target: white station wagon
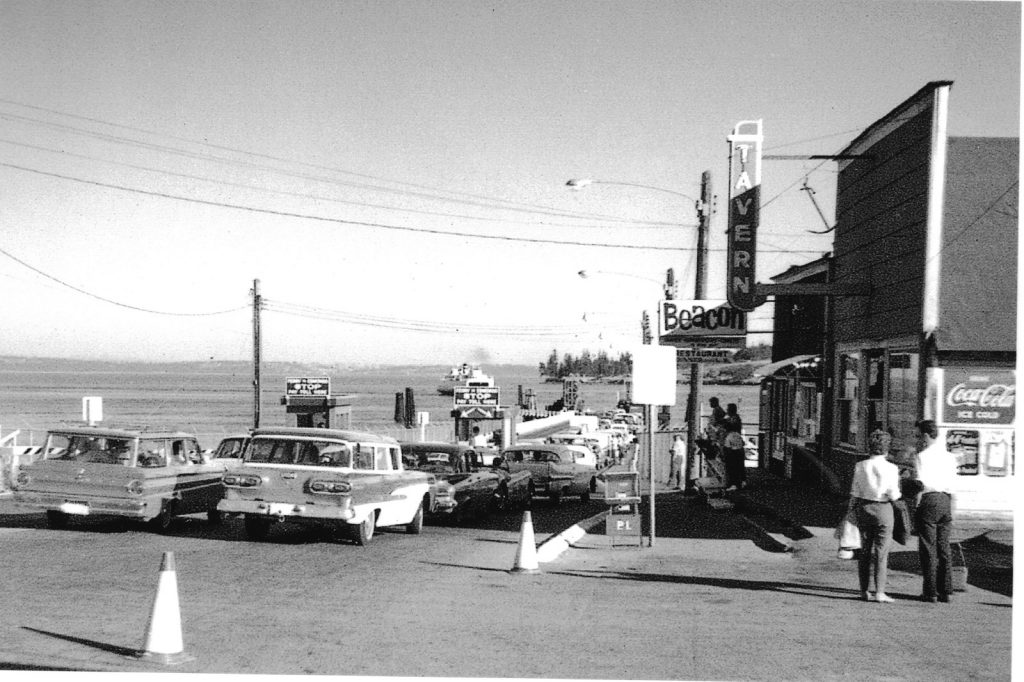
(350,479)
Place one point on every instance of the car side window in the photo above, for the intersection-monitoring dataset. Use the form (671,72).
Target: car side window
(152,453)
(364,457)
(380,457)
(396,458)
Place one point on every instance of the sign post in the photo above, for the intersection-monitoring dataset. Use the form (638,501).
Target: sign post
(654,383)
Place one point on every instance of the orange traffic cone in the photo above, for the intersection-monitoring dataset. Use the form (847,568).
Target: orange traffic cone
(163,634)
(526,555)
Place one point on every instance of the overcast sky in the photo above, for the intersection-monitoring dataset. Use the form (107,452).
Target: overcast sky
(394,173)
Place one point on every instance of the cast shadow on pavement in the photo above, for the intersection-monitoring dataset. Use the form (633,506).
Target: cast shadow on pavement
(102,646)
(989,565)
(824,591)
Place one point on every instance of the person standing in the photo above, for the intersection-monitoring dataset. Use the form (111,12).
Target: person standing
(935,469)
(876,483)
(678,461)
(479,440)
(732,449)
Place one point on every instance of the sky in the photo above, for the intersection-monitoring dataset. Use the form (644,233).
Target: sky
(394,174)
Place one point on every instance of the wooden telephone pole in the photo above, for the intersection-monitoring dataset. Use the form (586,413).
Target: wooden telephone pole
(256,351)
(696,369)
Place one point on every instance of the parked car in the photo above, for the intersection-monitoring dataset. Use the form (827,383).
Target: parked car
(478,489)
(348,479)
(143,475)
(554,471)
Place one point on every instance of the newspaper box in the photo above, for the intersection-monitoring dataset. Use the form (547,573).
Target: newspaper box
(622,488)
(622,494)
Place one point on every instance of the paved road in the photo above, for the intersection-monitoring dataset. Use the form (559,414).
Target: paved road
(302,602)
(707,603)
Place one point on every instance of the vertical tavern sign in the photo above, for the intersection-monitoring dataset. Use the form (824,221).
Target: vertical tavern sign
(744,215)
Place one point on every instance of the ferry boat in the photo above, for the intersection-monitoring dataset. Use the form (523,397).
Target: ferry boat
(464,375)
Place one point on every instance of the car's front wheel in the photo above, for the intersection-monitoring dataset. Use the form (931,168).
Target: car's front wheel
(162,522)
(415,527)
(363,533)
(499,502)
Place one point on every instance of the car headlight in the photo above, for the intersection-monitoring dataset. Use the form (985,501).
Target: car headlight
(330,487)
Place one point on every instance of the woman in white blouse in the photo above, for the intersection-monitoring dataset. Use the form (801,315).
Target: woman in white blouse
(876,483)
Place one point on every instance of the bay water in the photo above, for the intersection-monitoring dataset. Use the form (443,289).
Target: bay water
(215,399)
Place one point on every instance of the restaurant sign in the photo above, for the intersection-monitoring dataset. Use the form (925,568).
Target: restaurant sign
(977,395)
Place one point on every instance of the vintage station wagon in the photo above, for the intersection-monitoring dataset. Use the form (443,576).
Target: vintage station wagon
(350,479)
(143,475)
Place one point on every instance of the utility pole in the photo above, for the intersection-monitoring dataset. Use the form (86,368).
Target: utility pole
(696,369)
(256,351)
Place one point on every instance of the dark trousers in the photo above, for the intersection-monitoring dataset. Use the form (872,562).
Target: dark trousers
(735,467)
(934,521)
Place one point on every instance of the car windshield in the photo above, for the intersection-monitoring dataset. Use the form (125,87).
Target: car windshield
(90,449)
(305,452)
(437,462)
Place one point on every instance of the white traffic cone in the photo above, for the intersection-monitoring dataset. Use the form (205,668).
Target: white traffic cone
(526,555)
(163,634)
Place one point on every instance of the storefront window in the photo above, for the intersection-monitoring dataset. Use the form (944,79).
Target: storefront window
(901,406)
(849,398)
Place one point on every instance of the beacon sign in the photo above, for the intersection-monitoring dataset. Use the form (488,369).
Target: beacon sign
(744,215)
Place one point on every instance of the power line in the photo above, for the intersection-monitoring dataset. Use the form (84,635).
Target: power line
(306,195)
(111,301)
(357,223)
(477,200)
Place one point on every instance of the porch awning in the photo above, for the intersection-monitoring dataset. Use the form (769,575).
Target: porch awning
(787,366)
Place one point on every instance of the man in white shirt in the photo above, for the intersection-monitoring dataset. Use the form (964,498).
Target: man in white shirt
(935,469)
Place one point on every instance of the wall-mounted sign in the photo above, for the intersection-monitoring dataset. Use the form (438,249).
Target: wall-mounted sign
(744,215)
(305,386)
(476,396)
(700,320)
(705,354)
(976,395)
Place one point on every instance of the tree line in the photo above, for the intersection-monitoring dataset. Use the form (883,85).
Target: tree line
(587,364)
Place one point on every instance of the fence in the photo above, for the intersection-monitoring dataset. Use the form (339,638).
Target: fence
(13,454)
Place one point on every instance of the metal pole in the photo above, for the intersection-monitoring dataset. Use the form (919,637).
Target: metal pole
(256,352)
(696,368)
(650,463)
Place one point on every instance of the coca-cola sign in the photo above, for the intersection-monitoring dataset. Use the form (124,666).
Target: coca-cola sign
(978,396)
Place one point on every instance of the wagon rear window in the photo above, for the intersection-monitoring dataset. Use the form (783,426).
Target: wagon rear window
(304,452)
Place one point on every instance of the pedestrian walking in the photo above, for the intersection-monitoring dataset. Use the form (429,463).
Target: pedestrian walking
(678,461)
(876,483)
(935,469)
(732,449)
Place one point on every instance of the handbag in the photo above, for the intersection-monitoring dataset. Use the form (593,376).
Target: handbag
(901,521)
(847,531)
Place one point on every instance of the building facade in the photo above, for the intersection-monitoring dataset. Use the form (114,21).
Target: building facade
(926,227)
